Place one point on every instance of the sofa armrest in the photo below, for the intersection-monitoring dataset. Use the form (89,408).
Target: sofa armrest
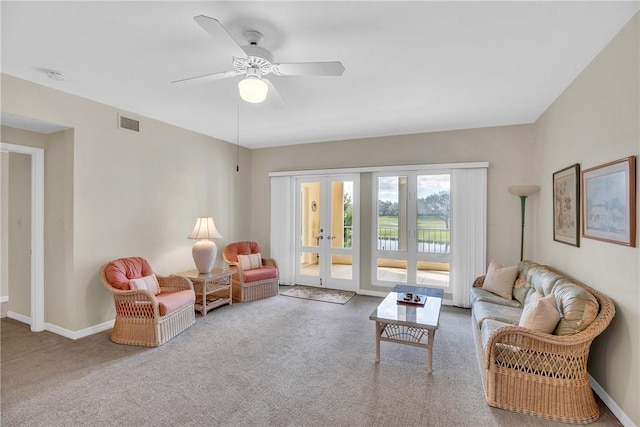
(530,351)
(174,283)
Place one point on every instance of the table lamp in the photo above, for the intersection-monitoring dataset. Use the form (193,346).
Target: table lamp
(523,191)
(204,251)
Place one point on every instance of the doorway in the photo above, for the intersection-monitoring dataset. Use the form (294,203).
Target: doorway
(327,231)
(37,231)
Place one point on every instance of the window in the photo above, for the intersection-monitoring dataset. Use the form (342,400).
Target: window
(412,228)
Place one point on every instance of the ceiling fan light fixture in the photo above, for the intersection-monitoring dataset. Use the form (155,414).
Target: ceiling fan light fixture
(253,89)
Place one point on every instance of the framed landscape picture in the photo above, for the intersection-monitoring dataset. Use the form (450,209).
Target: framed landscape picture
(566,205)
(609,202)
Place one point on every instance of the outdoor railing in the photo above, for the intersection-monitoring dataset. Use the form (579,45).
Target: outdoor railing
(430,240)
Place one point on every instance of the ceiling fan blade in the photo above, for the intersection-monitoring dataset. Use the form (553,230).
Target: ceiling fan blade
(273,96)
(220,35)
(208,77)
(334,68)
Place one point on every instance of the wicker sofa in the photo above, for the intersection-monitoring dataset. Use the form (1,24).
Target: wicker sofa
(532,372)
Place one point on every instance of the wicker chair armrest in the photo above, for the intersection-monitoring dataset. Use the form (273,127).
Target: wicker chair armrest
(526,347)
(270,262)
(238,268)
(174,283)
(136,303)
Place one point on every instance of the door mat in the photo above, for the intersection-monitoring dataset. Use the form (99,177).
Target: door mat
(319,294)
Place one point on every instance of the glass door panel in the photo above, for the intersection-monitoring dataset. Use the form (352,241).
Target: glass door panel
(342,267)
(392,232)
(391,270)
(308,226)
(433,234)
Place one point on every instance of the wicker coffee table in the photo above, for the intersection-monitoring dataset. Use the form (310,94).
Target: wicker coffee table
(407,323)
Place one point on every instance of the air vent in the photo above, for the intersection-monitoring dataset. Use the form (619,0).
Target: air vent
(131,124)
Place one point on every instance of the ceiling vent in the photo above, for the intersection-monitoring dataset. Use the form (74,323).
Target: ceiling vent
(128,123)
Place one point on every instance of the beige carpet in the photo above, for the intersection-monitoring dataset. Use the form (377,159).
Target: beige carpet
(273,362)
(319,294)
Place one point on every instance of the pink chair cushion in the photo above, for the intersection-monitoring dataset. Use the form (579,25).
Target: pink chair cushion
(168,302)
(232,250)
(260,274)
(120,271)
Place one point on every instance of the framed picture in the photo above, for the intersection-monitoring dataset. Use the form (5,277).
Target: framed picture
(609,202)
(566,205)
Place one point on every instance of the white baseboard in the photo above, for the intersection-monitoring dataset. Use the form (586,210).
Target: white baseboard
(19,317)
(611,404)
(74,335)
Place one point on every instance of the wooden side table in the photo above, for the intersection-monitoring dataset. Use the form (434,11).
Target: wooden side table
(212,289)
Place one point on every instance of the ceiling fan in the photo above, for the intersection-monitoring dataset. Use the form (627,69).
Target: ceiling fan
(254,63)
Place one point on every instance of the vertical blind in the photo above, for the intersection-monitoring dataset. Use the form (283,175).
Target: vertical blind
(281,232)
(469,231)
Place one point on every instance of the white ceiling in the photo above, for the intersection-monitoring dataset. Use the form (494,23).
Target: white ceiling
(411,67)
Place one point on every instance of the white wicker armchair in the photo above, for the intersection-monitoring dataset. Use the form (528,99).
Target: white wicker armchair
(142,317)
(255,283)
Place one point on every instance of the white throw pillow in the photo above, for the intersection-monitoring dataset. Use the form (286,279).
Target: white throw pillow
(147,283)
(250,262)
(541,315)
(500,280)
(493,265)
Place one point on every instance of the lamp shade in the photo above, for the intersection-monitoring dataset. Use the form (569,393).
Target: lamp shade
(205,229)
(524,190)
(253,89)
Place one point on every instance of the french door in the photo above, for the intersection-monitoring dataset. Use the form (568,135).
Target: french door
(412,231)
(327,231)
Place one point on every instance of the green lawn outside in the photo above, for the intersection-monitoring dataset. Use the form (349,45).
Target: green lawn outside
(390,223)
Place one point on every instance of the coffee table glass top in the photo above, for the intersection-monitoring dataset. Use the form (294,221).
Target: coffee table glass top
(390,311)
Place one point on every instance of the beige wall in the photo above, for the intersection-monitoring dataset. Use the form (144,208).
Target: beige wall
(19,210)
(596,120)
(133,194)
(4,220)
(58,226)
(503,147)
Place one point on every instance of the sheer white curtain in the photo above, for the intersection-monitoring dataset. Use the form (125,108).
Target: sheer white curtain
(469,231)
(281,227)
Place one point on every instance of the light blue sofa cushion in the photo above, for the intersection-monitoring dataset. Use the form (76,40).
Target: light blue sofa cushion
(479,294)
(488,327)
(483,310)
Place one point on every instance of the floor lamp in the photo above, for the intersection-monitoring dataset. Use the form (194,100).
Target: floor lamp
(523,191)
